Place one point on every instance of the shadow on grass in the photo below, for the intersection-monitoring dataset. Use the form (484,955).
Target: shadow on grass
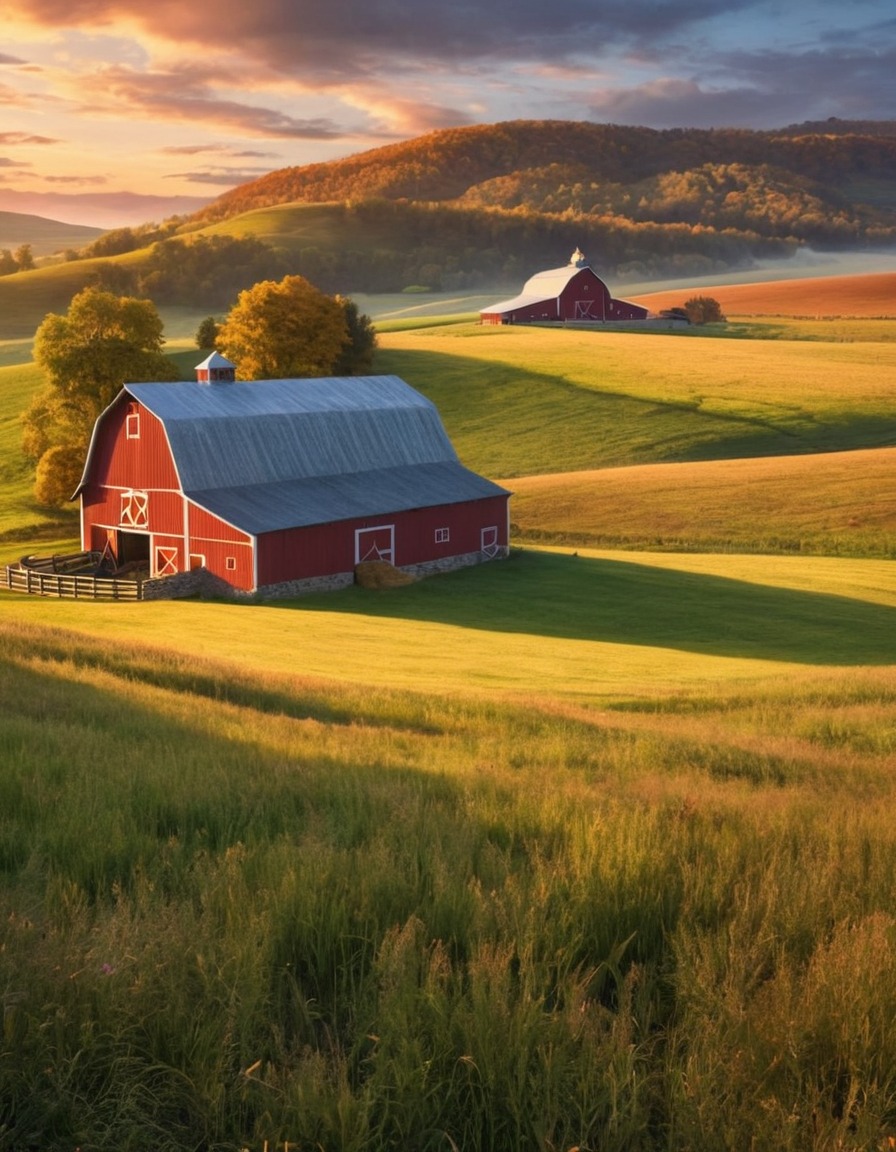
(627,602)
(507,419)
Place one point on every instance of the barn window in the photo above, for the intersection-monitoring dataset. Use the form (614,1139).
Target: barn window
(132,426)
(443,535)
(230,563)
(197,560)
(134,509)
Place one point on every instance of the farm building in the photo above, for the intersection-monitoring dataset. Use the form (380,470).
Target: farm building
(573,293)
(282,486)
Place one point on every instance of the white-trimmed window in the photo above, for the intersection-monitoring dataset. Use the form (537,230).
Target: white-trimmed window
(443,535)
(230,563)
(197,560)
(132,426)
(134,509)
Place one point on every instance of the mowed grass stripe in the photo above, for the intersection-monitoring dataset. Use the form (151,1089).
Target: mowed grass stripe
(827,503)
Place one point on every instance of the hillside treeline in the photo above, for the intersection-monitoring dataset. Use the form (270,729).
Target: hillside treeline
(442,247)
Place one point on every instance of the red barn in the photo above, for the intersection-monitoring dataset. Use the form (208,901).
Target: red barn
(282,486)
(575,292)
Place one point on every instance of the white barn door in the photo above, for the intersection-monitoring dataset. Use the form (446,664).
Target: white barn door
(375,543)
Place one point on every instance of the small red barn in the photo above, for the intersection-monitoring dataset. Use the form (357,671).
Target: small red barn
(281,486)
(573,293)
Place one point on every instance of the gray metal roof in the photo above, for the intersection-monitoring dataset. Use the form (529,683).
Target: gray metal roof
(299,503)
(272,454)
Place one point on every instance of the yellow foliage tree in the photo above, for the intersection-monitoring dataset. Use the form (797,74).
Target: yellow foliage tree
(286,328)
(103,341)
(58,474)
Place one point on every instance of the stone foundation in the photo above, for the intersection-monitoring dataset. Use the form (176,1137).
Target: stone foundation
(199,584)
(203,585)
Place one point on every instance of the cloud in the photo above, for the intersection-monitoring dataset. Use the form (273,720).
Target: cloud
(185,93)
(81,181)
(26,138)
(5,59)
(216,149)
(334,40)
(222,176)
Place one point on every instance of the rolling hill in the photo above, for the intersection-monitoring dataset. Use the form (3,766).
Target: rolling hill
(871,296)
(482,208)
(45,236)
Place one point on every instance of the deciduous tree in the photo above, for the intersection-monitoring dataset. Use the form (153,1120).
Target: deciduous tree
(207,333)
(282,329)
(103,341)
(703,310)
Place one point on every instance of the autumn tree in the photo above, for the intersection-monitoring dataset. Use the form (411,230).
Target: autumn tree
(703,310)
(282,329)
(86,355)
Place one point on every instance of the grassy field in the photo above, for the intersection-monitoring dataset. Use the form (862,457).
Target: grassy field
(530,401)
(587,849)
(562,852)
(833,503)
(870,295)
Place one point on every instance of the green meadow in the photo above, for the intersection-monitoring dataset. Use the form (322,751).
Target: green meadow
(588,849)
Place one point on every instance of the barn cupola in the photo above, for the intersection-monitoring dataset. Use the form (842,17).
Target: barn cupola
(216,369)
(578,259)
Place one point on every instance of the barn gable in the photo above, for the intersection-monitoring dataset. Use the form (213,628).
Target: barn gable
(255,460)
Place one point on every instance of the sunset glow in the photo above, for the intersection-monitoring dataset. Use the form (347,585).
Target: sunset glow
(121,112)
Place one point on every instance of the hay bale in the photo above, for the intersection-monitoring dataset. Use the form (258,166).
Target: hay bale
(380,574)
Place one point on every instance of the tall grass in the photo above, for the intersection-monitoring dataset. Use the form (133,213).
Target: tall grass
(355,918)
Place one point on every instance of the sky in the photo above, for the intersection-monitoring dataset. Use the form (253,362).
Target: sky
(116,112)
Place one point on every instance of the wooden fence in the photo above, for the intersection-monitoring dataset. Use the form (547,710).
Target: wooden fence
(70,578)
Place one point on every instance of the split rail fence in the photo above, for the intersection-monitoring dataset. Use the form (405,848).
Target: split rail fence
(69,578)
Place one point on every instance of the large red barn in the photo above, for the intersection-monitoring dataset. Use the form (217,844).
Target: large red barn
(572,293)
(280,486)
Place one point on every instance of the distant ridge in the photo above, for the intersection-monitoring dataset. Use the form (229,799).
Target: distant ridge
(45,236)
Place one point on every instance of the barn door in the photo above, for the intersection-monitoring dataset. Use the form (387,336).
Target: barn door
(375,543)
(488,539)
(166,560)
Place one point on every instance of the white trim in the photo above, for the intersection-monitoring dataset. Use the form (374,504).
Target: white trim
(442,536)
(220,540)
(191,556)
(134,508)
(169,562)
(388,554)
(132,419)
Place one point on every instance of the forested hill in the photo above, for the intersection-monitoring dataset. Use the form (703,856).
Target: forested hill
(482,208)
(831,183)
